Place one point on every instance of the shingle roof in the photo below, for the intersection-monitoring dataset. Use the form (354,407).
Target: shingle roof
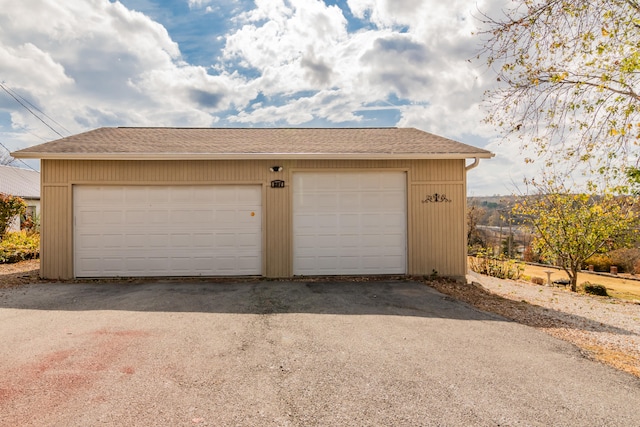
(20,182)
(214,143)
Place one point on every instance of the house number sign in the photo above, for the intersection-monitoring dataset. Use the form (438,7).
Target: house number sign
(277,183)
(436,198)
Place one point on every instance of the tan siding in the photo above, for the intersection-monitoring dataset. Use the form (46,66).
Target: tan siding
(435,231)
(278,257)
(55,247)
(439,170)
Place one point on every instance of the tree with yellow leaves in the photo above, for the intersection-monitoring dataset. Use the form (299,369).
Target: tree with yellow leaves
(571,227)
(569,78)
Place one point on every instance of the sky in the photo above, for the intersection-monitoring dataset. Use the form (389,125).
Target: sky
(82,64)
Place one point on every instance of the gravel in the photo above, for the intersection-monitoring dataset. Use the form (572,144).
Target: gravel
(606,329)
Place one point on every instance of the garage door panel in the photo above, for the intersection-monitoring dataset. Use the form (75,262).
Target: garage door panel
(202,195)
(226,240)
(349,241)
(135,217)
(248,216)
(89,217)
(179,195)
(199,216)
(155,263)
(225,196)
(349,201)
(112,240)
(372,201)
(110,216)
(392,199)
(153,240)
(317,221)
(180,264)
(157,216)
(349,181)
(105,195)
(180,240)
(135,196)
(137,241)
(247,240)
(394,220)
(168,234)
(349,222)
(248,197)
(204,240)
(228,216)
(305,241)
(157,195)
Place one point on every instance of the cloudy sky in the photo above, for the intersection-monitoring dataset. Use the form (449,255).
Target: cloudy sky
(82,64)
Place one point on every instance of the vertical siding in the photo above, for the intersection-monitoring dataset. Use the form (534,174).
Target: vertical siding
(438,170)
(435,231)
(278,256)
(438,230)
(55,223)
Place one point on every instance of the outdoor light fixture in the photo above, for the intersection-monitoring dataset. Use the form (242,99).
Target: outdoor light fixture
(276,168)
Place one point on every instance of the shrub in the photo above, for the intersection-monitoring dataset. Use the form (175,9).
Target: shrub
(537,280)
(10,207)
(600,262)
(595,289)
(19,246)
(626,259)
(496,267)
(530,255)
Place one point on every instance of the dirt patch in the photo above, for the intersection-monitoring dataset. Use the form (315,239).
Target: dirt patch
(19,273)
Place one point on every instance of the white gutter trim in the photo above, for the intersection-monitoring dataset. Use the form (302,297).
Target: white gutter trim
(246,156)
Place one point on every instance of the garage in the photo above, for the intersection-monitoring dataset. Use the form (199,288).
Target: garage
(186,230)
(270,202)
(349,223)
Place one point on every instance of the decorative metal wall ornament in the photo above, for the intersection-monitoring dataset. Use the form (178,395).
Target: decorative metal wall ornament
(437,198)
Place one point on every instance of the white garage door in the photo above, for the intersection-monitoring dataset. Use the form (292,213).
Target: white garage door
(167,230)
(350,223)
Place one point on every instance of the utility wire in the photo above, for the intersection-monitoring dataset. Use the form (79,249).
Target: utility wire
(29,110)
(20,160)
(36,108)
(25,129)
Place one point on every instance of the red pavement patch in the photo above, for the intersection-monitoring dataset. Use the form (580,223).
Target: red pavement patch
(30,392)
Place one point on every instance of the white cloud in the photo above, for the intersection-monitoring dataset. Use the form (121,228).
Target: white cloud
(389,13)
(93,63)
(328,104)
(503,174)
(197,4)
(417,54)
(96,63)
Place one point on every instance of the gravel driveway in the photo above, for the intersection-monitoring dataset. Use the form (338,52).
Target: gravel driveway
(288,353)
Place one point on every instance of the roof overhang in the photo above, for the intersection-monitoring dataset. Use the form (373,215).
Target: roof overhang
(251,156)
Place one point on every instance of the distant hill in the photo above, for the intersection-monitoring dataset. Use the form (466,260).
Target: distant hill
(493,210)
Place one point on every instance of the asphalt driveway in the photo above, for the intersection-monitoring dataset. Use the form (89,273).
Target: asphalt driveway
(288,353)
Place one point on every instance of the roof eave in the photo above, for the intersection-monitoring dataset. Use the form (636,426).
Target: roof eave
(250,156)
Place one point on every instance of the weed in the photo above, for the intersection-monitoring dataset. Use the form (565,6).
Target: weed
(500,267)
